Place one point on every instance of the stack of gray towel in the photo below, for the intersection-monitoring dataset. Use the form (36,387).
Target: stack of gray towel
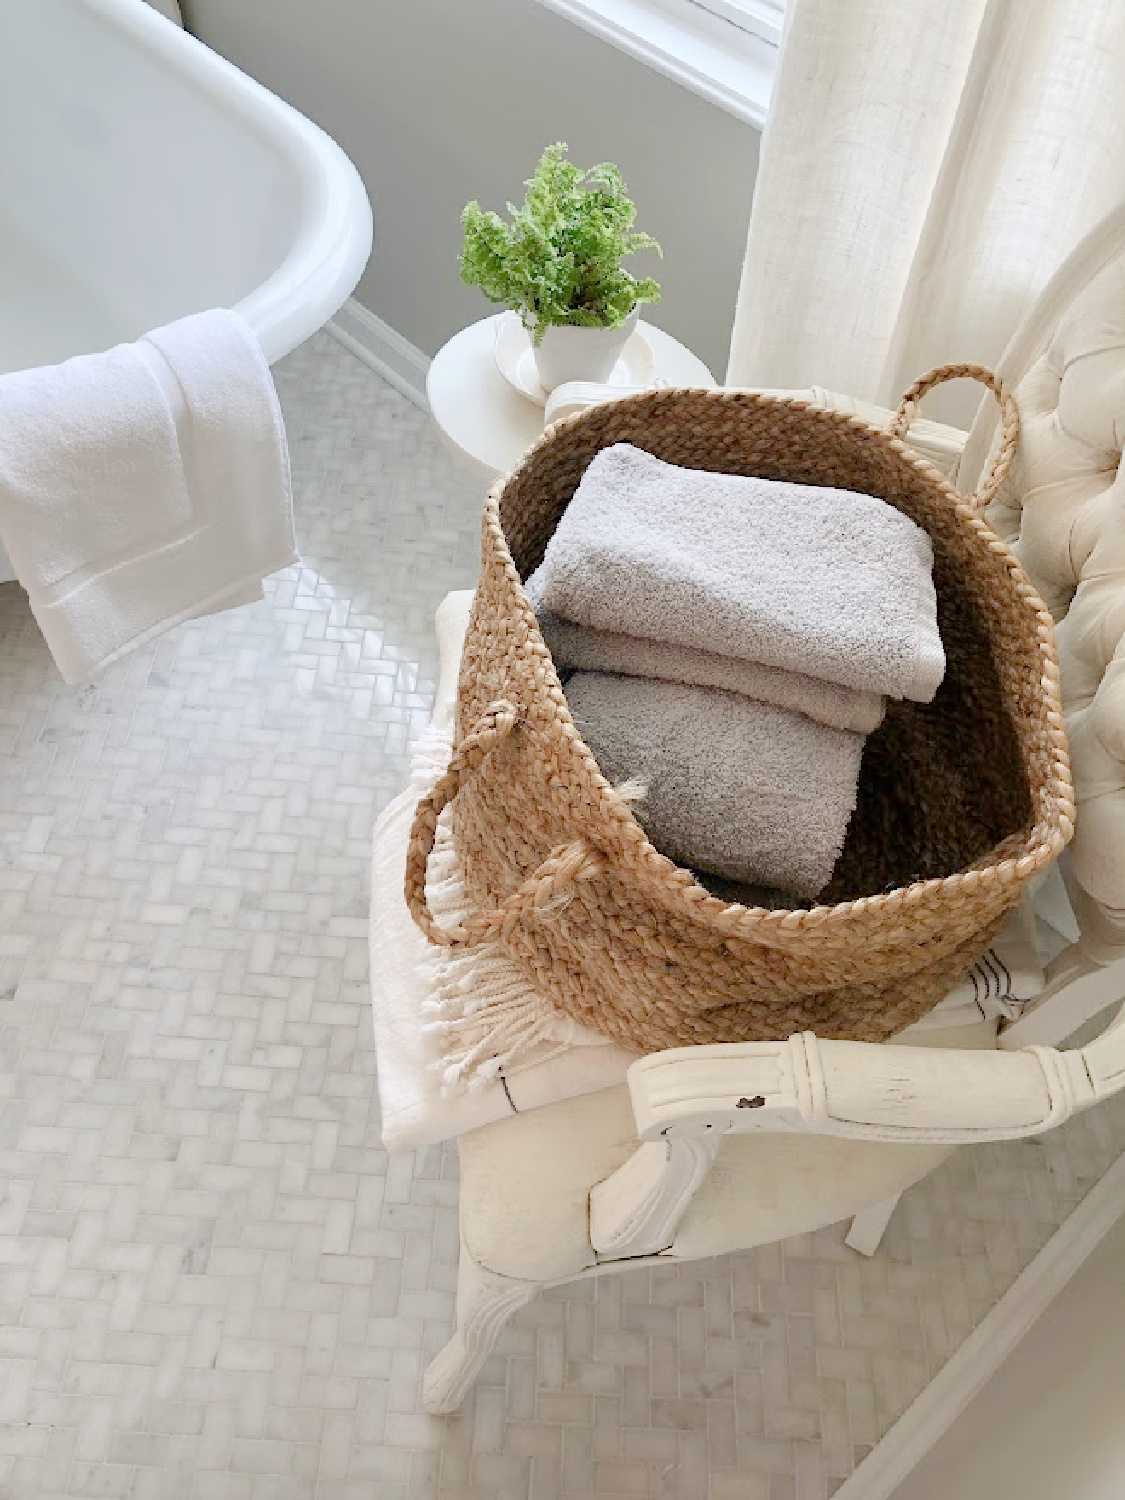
(732,641)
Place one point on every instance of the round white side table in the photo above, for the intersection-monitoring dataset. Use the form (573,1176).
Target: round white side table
(489,424)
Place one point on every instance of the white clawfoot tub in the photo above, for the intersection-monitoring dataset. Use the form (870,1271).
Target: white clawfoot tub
(142,178)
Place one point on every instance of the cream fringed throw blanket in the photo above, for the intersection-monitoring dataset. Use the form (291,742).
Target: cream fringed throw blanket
(419,1107)
(483,1015)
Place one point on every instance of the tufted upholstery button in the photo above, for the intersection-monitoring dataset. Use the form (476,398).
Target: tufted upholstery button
(1063,509)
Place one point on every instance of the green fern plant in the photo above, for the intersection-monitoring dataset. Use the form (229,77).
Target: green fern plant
(558,263)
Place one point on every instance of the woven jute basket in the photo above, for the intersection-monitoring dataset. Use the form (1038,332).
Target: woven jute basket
(961,801)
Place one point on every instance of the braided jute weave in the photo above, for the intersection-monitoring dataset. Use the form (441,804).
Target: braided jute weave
(961,801)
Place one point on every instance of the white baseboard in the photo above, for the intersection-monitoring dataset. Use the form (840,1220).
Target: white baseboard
(382,349)
(971,1366)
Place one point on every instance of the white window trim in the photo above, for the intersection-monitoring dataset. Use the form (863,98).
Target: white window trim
(722,62)
(762,17)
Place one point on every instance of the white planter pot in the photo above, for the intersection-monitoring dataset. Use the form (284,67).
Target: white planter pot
(581,353)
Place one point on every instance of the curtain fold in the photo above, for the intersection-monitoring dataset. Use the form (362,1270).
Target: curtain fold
(924,170)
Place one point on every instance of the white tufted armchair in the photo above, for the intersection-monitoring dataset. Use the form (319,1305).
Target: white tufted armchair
(710,1150)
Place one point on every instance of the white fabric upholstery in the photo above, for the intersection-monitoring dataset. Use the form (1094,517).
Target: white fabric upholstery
(1063,509)
(924,169)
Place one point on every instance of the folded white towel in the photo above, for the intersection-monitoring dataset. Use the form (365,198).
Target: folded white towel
(143,486)
(820,581)
(580,647)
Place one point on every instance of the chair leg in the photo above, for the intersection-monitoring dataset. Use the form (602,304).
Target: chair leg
(485,1302)
(868,1227)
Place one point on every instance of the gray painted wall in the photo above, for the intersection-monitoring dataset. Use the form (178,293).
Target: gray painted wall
(439,101)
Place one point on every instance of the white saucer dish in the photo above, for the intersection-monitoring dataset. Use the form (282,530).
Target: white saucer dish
(515,359)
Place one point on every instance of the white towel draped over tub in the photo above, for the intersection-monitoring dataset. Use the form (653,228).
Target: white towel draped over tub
(143,486)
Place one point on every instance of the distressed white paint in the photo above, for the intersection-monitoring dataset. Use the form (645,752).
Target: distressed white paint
(637,1210)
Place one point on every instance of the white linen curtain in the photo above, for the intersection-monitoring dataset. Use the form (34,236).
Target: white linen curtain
(925,167)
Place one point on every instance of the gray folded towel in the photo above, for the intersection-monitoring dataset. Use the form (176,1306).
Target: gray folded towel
(739,788)
(579,647)
(824,582)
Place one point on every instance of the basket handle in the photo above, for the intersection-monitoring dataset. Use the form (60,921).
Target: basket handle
(564,865)
(1009,421)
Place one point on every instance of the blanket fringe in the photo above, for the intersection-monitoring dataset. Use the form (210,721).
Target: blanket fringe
(485,1018)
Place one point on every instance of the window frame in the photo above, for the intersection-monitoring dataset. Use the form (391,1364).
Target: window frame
(761,18)
(730,65)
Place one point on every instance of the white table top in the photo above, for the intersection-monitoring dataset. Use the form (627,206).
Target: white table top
(485,421)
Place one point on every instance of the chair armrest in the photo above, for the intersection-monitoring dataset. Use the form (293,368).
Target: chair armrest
(687,1099)
(863,1091)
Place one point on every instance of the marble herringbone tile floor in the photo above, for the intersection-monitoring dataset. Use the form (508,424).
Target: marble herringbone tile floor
(214,1283)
